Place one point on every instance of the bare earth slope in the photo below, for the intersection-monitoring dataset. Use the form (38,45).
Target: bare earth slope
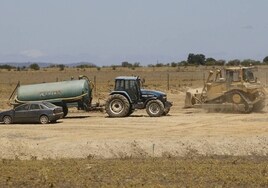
(183,132)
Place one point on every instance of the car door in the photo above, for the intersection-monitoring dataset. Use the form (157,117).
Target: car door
(21,113)
(34,113)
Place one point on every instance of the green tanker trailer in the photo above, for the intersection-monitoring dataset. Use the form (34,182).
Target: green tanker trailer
(76,93)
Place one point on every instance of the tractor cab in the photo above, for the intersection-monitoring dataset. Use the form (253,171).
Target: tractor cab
(130,85)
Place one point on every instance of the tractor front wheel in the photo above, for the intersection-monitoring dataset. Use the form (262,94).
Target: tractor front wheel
(117,106)
(155,108)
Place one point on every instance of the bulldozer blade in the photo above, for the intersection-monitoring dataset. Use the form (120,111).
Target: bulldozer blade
(224,107)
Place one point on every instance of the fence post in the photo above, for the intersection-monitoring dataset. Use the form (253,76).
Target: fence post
(95,85)
(266,78)
(168,81)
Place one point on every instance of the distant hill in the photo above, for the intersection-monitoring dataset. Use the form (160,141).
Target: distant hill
(25,64)
(42,64)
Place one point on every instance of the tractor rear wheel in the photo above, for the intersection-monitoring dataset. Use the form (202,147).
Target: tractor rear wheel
(155,108)
(130,111)
(117,106)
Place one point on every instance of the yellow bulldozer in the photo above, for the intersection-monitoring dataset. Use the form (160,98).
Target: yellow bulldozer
(231,88)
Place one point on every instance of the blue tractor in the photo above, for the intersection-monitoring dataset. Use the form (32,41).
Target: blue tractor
(128,96)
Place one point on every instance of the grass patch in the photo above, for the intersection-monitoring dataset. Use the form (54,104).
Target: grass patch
(217,171)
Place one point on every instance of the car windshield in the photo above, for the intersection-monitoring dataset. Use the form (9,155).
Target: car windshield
(49,105)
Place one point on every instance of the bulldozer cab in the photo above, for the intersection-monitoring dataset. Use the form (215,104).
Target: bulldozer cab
(240,74)
(228,78)
(233,76)
(248,75)
(131,85)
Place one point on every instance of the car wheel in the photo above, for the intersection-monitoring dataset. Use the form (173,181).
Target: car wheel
(43,119)
(7,120)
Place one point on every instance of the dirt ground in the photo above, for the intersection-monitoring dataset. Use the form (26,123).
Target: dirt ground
(183,132)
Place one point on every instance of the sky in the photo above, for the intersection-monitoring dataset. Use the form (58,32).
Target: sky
(108,32)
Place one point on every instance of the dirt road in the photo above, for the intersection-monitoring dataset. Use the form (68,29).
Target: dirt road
(183,132)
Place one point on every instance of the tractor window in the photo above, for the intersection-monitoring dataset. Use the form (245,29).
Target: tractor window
(130,84)
(119,85)
(127,84)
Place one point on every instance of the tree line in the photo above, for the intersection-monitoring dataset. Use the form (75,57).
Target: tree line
(192,60)
(200,59)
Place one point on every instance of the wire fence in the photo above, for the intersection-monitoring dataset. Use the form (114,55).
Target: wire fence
(153,78)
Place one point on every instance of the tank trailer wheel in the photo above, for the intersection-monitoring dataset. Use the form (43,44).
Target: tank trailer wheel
(43,119)
(117,106)
(7,120)
(155,108)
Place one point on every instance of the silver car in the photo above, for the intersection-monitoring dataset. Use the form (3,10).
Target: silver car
(32,112)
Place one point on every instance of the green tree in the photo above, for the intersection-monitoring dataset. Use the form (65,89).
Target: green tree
(34,66)
(61,66)
(210,61)
(265,60)
(136,64)
(8,67)
(220,62)
(126,64)
(249,62)
(159,65)
(196,59)
(183,63)
(174,64)
(234,62)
